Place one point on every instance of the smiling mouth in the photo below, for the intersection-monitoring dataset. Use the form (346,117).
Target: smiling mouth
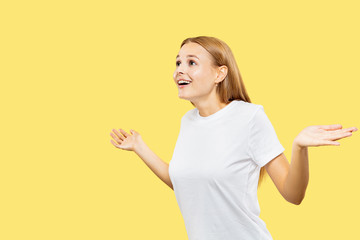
(183,83)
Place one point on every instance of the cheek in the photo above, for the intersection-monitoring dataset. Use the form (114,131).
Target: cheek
(201,76)
(196,74)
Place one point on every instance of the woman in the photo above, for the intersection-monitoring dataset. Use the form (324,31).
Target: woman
(224,146)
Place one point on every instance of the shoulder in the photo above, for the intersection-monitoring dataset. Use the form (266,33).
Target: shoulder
(246,108)
(189,114)
(239,109)
(248,105)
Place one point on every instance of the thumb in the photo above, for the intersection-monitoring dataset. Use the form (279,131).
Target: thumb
(133,131)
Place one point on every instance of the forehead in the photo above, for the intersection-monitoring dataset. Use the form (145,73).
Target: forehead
(193,49)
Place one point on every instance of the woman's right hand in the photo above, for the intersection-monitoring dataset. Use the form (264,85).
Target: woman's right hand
(124,140)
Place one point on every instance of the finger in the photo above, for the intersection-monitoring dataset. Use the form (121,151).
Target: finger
(340,136)
(350,129)
(118,140)
(331,127)
(119,134)
(329,143)
(124,133)
(345,130)
(354,129)
(116,145)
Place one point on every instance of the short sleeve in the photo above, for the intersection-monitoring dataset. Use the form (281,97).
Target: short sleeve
(264,144)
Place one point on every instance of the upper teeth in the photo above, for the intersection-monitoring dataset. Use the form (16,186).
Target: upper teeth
(183,81)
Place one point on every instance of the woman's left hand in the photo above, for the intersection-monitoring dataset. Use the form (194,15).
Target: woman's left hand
(320,135)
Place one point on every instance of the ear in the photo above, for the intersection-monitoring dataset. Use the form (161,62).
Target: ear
(222,73)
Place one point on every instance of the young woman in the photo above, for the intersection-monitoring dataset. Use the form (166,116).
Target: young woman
(224,146)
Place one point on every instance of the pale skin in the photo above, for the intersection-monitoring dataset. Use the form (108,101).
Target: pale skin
(291,180)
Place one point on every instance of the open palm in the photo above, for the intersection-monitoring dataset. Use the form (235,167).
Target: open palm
(124,140)
(320,135)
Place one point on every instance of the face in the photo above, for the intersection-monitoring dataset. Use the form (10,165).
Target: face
(193,63)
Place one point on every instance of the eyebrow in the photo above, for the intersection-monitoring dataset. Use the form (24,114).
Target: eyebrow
(189,56)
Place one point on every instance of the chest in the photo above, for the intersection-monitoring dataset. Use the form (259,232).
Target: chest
(212,153)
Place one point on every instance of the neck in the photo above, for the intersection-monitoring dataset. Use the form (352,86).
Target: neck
(207,108)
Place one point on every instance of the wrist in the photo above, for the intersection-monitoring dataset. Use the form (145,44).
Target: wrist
(297,146)
(138,146)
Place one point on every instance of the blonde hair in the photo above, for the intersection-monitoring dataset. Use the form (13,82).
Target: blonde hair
(232,87)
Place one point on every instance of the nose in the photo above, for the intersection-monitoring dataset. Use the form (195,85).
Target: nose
(179,70)
(177,74)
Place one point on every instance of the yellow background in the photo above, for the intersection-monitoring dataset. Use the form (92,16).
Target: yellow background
(71,71)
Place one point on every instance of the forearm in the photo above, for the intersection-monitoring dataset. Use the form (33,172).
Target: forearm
(298,176)
(159,167)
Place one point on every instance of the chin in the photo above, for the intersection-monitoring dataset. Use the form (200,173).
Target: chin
(184,97)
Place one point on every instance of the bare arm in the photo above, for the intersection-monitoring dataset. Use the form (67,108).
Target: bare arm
(292,180)
(298,177)
(159,167)
(134,142)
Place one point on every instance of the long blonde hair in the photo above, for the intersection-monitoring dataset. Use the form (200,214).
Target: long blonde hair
(232,87)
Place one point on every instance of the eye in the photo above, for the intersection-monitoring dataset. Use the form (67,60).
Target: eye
(178,62)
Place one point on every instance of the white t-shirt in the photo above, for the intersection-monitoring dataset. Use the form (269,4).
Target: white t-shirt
(215,171)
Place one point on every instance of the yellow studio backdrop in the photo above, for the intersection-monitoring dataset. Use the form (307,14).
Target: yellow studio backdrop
(71,71)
